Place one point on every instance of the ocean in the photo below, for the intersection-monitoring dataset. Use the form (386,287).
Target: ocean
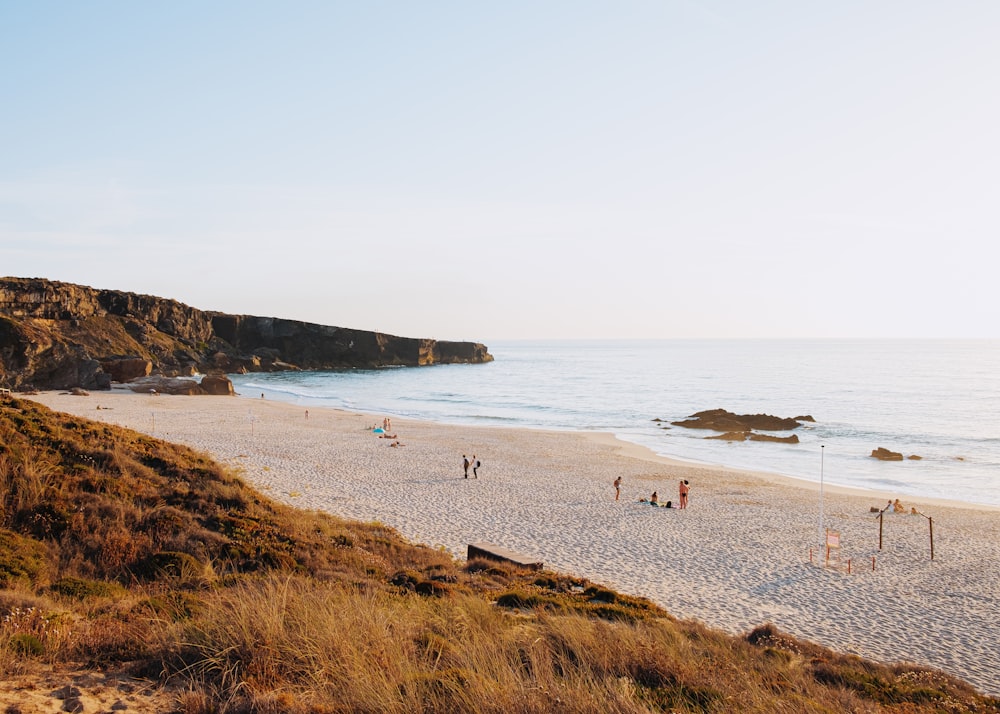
(936,399)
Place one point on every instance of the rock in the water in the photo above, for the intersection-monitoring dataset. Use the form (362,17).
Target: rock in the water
(790,439)
(752,436)
(724,421)
(883,454)
(732,436)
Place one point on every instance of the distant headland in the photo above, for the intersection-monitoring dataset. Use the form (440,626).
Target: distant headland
(56,335)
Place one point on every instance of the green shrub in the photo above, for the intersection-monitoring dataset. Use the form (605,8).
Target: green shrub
(21,558)
(26,645)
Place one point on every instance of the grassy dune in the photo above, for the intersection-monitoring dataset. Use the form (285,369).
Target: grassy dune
(120,551)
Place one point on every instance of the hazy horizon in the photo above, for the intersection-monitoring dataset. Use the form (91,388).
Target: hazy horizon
(550,170)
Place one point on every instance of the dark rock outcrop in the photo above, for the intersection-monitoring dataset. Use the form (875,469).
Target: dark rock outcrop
(57,335)
(883,454)
(126,369)
(159,384)
(740,427)
(753,436)
(722,420)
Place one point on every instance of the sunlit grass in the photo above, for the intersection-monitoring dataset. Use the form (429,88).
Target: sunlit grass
(116,549)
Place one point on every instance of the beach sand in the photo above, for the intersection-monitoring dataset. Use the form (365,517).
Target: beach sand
(737,557)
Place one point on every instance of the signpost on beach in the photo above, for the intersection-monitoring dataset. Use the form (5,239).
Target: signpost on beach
(833,548)
(821,449)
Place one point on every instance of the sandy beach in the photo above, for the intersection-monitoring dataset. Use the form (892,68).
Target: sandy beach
(737,557)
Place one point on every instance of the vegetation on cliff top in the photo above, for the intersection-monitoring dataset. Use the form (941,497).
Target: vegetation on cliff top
(121,551)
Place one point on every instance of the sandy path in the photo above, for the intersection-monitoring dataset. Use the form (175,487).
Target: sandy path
(736,558)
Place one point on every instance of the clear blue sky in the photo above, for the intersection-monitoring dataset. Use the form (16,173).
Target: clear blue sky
(472,170)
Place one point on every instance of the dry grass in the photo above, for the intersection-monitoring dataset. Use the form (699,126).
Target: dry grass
(117,549)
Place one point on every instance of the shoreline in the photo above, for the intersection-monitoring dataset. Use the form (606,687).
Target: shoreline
(737,558)
(639,451)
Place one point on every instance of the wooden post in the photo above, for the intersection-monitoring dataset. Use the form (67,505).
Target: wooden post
(880,530)
(930,521)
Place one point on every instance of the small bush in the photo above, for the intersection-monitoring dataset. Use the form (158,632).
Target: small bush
(26,645)
(599,594)
(518,600)
(167,564)
(82,589)
(21,558)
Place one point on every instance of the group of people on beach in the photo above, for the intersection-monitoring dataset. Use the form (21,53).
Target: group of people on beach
(383,431)
(894,507)
(682,495)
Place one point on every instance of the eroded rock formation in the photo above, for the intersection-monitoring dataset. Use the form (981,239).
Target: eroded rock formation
(883,454)
(744,427)
(58,335)
(753,436)
(724,421)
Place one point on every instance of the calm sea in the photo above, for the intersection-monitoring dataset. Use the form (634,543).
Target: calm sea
(937,399)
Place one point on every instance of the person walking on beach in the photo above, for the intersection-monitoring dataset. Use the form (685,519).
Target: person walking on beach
(682,495)
(465,465)
(476,463)
(618,487)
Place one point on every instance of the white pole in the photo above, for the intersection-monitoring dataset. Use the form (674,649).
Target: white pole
(822,540)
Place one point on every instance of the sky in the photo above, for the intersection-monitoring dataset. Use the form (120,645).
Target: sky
(519,170)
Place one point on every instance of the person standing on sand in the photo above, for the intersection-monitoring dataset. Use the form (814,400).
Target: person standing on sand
(465,465)
(476,463)
(682,494)
(618,487)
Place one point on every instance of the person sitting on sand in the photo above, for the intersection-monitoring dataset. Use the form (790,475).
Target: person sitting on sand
(654,499)
(898,507)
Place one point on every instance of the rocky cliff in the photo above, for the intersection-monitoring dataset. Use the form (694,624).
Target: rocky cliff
(58,335)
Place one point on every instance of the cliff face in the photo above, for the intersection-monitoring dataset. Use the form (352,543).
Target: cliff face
(58,335)
(324,347)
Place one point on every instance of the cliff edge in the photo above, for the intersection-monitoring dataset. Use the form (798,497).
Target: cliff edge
(57,335)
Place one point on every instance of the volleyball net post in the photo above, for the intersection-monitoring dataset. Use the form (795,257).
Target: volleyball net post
(930,527)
